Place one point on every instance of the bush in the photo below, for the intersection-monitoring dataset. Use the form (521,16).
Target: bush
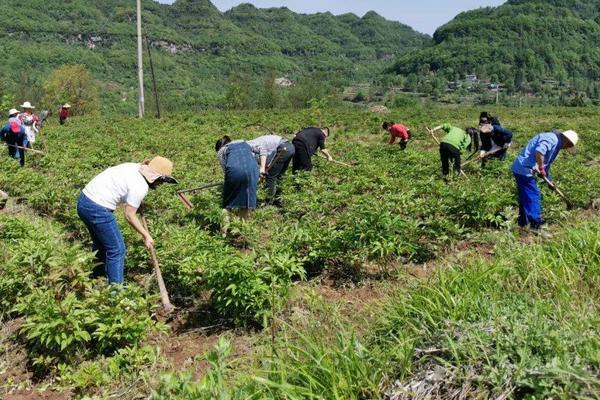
(75,85)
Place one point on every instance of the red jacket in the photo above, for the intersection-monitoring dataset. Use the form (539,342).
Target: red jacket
(63,113)
(399,131)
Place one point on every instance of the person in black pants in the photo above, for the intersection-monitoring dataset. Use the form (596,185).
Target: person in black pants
(306,142)
(455,142)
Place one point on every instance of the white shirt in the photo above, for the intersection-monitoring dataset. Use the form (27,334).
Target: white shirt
(122,184)
(28,121)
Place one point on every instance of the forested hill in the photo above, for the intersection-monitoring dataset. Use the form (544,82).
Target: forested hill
(198,50)
(520,44)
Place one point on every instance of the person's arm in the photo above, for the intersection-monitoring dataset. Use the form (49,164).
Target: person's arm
(131,216)
(392,139)
(437,128)
(329,157)
(263,164)
(539,160)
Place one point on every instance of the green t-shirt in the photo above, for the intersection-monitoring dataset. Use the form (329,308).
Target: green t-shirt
(456,137)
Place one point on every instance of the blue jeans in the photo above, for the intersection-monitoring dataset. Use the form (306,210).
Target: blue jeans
(106,236)
(24,143)
(530,201)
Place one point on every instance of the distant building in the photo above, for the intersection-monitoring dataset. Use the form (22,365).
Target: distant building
(472,78)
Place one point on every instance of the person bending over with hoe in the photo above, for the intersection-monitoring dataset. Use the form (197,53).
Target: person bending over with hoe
(14,135)
(306,142)
(273,154)
(495,142)
(455,142)
(241,175)
(536,158)
(397,131)
(123,185)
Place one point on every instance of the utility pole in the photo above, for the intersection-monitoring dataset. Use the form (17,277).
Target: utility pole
(140,60)
(153,79)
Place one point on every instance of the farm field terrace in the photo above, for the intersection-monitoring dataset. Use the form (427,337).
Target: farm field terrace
(342,229)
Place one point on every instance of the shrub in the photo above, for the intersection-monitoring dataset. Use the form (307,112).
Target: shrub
(75,85)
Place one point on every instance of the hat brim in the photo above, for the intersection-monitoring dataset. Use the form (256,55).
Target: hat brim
(169,179)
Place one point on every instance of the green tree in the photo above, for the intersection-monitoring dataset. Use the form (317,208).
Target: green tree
(75,85)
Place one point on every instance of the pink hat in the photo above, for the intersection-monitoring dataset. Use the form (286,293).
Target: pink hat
(15,127)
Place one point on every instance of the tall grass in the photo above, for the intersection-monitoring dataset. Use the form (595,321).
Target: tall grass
(524,325)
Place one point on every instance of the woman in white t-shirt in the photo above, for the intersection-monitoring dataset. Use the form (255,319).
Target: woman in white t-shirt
(125,184)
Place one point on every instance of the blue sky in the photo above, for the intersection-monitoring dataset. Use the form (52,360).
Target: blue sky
(423,15)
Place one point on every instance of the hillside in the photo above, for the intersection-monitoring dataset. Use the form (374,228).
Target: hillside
(197,49)
(520,44)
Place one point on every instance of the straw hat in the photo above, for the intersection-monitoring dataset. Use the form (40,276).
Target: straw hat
(159,168)
(572,136)
(13,111)
(27,105)
(67,105)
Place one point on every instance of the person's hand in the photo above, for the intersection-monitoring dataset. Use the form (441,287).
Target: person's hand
(263,171)
(541,171)
(507,145)
(482,154)
(329,158)
(149,242)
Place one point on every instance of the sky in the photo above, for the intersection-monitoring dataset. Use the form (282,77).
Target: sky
(423,15)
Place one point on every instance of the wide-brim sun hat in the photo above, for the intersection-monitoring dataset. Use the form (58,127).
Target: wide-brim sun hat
(67,105)
(571,136)
(13,111)
(163,167)
(27,105)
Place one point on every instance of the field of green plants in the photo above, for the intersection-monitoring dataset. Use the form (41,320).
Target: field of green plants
(465,307)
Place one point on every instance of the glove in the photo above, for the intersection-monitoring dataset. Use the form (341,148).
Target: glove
(507,145)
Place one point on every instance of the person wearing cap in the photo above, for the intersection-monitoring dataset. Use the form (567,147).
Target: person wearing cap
(14,135)
(306,142)
(455,142)
(241,175)
(29,120)
(63,113)
(122,185)
(536,158)
(275,152)
(397,131)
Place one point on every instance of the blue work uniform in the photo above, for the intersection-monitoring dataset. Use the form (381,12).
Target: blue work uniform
(530,206)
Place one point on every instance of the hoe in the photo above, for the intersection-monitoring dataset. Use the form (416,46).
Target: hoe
(164,295)
(555,188)
(26,149)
